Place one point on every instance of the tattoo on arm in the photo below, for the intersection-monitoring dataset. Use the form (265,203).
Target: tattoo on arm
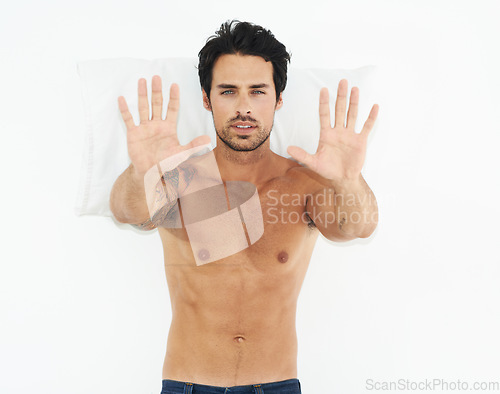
(188,173)
(166,207)
(171,177)
(145,226)
(164,217)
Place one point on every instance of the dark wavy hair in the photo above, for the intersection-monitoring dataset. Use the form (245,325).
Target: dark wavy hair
(245,38)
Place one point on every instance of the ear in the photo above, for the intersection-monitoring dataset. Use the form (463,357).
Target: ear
(279,104)
(206,101)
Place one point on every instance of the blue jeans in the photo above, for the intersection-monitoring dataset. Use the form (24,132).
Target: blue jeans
(290,386)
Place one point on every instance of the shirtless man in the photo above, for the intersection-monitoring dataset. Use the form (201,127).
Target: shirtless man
(233,319)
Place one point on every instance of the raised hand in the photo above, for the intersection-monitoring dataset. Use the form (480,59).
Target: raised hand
(154,139)
(341,151)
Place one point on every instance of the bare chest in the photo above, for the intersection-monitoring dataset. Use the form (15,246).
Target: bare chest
(265,274)
(267,230)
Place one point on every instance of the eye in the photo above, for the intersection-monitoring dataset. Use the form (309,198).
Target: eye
(258,92)
(227,92)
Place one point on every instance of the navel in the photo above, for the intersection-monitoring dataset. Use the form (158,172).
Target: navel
(239,338)
(283,257)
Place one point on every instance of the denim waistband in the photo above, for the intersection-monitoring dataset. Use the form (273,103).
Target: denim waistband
(265,388)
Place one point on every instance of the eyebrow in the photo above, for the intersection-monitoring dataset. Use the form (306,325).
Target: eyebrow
(230,86)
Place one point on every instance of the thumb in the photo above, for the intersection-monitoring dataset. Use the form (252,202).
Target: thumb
(199,141)
(300,155)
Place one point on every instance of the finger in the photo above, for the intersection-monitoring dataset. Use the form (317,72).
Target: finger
(126,115)
(156,98)
(324,109)
(301,156)
(142,90)
(340,104)
(368,126)
(173,105)
(352,113)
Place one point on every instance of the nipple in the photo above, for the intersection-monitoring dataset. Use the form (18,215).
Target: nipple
(203,254)
(283,257)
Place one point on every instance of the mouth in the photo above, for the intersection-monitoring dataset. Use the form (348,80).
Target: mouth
(243,127)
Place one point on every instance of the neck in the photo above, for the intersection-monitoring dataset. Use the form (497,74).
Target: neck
(252,166)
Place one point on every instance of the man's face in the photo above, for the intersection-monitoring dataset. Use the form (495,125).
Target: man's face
(242,100)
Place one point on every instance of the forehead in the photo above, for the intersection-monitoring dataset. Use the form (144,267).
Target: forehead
(242,70)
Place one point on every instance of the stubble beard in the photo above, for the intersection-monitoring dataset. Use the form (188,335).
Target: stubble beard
(243,142)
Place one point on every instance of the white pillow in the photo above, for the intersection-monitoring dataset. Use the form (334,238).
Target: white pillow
(105,154)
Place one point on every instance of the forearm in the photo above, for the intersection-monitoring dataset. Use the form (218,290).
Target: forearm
(345,210)
(356,209)
(128,198)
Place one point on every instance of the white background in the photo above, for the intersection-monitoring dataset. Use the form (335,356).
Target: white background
(84,305)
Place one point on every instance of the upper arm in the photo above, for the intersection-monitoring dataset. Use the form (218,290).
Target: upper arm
(166,216)
(145,226)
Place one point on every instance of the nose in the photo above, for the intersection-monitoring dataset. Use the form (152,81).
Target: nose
(243,106)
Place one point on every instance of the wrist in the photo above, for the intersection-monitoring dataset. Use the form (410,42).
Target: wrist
(347,184)
(135,176)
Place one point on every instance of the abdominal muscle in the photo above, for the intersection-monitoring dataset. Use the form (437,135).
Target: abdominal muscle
(233,320)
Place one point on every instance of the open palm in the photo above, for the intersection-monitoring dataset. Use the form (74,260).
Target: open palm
(341,151)
(154,139)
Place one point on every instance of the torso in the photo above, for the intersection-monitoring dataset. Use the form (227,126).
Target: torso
(233,320)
